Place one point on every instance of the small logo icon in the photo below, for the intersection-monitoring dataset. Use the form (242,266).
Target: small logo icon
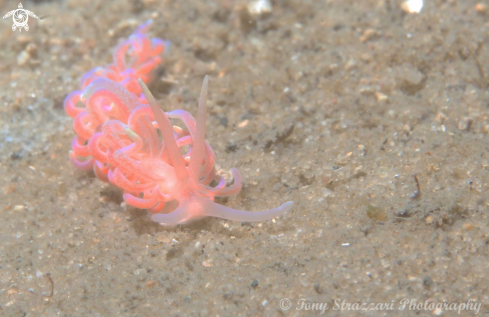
(285,304)
(20,17)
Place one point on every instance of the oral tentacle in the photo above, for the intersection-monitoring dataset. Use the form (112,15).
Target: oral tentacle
(215,210)
(178,216)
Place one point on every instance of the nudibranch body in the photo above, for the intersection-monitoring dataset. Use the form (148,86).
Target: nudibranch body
(129,141)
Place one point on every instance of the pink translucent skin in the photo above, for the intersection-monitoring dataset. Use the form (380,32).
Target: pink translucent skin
(127,140)
(152,170)
(186,188)
(134,58)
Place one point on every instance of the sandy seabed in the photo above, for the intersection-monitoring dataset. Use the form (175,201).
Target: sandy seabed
(374,121)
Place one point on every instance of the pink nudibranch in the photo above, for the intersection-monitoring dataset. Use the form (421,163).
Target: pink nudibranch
(186,188)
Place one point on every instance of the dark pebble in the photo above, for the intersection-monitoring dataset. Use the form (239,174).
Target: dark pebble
(254,283)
